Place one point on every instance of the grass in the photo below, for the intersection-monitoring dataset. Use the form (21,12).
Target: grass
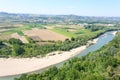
(18,30)
(61,29)
(92,33)
(79,32)
(39,26)
(83,31)
(64,25)
(64,32)
(20,33)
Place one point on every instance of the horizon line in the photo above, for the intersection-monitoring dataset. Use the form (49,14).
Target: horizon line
(52,14)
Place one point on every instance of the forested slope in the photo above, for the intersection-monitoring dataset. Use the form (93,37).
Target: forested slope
(103,64)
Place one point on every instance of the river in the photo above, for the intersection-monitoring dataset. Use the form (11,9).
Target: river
(102,40)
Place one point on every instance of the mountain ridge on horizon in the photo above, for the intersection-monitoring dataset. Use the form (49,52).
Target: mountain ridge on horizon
(9,13)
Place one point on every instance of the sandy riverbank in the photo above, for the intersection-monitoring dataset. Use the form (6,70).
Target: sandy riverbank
(114,33)
(90,42)
(13,66)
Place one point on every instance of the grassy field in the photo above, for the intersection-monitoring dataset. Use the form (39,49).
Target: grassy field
(64,32)
(18,30)
(23,28)
(70,30)
(64,26)
(79,32)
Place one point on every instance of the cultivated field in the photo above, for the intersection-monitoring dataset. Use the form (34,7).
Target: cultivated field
(66,30)
(44,34)
(4,37)
(3,30)
(17,36)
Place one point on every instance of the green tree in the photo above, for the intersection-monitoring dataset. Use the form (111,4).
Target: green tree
(18,49)
(15,41)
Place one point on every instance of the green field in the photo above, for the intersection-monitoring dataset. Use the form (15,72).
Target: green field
(18,30)
(64,32)
(79,32)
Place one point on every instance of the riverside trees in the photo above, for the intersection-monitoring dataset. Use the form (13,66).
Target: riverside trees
(19,49)
(103,64)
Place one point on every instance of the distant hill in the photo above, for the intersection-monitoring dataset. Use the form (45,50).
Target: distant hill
(73,19)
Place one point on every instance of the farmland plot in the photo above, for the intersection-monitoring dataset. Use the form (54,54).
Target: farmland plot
(17,36)
(44,34)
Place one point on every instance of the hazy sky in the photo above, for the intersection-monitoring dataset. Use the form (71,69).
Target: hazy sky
(77,7)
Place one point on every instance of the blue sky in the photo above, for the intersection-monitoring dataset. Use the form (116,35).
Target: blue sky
(77,7)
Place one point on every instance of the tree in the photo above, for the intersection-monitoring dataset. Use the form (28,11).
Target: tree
(1,43)
(72,39)
(15,41)
(18,49)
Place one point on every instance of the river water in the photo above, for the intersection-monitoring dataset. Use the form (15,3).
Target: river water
(102,40)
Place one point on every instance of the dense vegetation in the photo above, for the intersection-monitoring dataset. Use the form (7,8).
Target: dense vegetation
(96,27)
(4,49)
(103,64)
(17,49)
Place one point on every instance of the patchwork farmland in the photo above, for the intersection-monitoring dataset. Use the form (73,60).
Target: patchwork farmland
(43,34)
